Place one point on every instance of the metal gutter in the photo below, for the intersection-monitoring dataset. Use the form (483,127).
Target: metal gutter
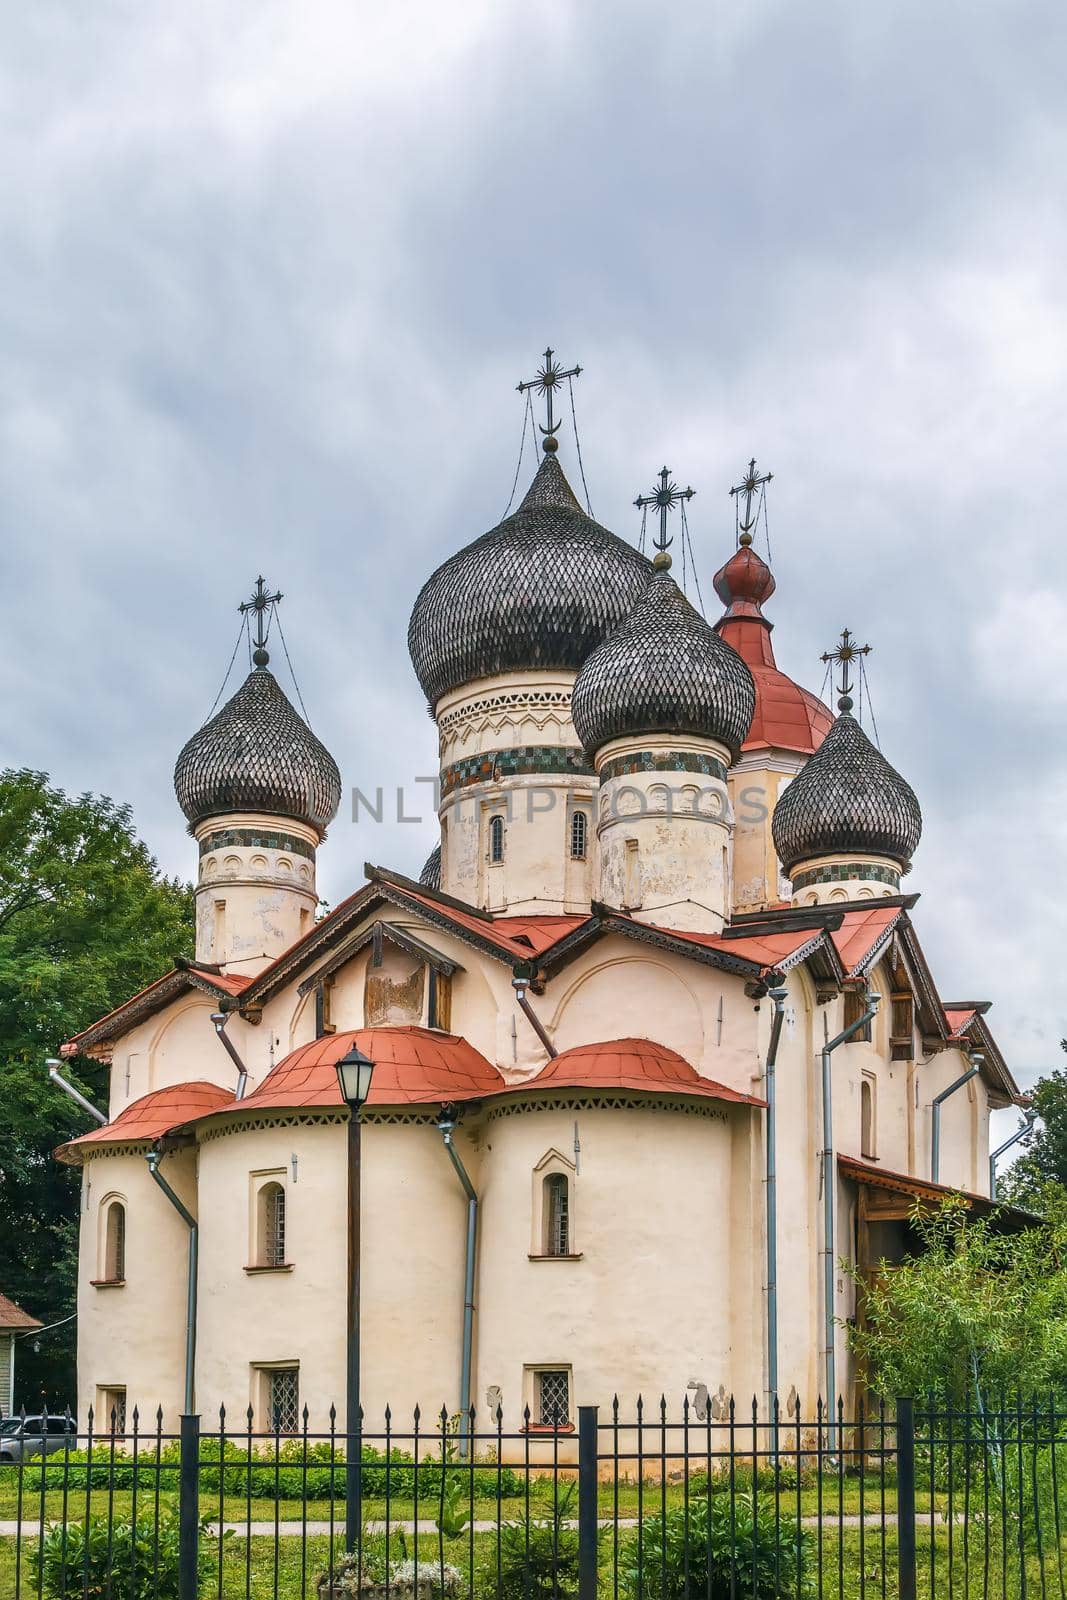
(153,1158)
(446,1124)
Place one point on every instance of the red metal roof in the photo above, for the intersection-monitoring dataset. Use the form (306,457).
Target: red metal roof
(786,717)
(630,1064)
(959,1019)
(225,984)
(767,950)
(412,1066)
(153,1115)
(13,1316)
(860,931)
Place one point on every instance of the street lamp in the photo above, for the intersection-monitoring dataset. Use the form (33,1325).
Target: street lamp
(354,1074)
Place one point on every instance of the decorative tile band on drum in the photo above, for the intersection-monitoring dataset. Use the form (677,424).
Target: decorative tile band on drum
(841,872)
(662,761)
(522,761)
(264,838)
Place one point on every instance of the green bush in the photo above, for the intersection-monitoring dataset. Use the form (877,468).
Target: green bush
(98,1560)
(717,1553)
(538,1557)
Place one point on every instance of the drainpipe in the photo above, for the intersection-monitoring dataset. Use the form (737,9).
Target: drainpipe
(220,1019)
(935,1140)
(446,1123)
(153,1159)
(520,986)
(1024,1127)
(75,1094)
(828,1187)
(778,996)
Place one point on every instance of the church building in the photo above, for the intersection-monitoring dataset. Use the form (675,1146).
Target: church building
(655,1042)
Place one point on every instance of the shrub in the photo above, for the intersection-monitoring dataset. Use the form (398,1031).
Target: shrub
(717,1554)
(94,1560)
(538,1557)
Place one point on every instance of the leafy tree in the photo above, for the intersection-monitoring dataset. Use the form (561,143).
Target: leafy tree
(1044,1157)
(976,1310)
(86,920)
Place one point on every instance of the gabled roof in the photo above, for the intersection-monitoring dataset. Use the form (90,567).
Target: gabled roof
(221,986)
(875,1176)
(636,1064)
(149,1118)
(12,1316)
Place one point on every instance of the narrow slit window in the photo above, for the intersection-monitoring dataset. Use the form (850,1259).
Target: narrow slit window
(557,1215)
(579,835)
(115,1243)
(272,1225)
(496,840)
(867,1120)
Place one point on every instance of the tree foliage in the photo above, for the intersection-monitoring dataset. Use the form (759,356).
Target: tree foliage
(1044,1157)
(976,1311)
(86,920)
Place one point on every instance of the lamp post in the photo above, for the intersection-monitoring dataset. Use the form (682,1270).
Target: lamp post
(354,1073)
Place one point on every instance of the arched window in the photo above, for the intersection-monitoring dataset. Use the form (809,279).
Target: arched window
(556,1211)
(115,1243)
(496,840)
(579,835)
(271,1225)
(867,1119)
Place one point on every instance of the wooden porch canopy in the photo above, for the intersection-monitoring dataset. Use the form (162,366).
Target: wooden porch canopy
(887,1196)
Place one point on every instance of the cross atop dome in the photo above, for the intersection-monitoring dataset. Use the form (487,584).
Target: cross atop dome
(550,377)
(664,498)
(751,485)
(846,652)
(262,604)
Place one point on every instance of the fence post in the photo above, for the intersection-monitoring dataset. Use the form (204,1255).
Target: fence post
(906,1499)
(587,1502)
(189,1509)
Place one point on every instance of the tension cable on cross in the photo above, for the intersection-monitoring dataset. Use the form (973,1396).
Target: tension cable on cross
(752,487)
(664,498)
(844,654)
(550,376)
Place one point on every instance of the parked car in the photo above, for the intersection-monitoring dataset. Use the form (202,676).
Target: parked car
(27,1436)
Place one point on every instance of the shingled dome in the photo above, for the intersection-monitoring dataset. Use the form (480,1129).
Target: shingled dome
(663,670)
(540,590)
(847,799)
(258,755)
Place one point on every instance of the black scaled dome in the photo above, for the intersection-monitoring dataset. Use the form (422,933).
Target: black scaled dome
(540,590)
(258,755)
(663,670)
(847,799)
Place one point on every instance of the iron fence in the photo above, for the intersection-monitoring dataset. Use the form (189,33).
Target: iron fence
(701,1501)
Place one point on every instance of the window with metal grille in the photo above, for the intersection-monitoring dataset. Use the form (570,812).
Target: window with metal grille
(557,1217)
(283,1399)
(272,1225)
(553,1398)
(115,1243)
(496,839)
(579,835)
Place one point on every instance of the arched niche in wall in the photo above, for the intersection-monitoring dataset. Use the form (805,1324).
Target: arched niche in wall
(185,1046)
(631,997)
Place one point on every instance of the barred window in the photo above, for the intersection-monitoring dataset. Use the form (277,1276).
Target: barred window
(553,1398)
(579,835)
(272,1225)
(283,1399)
(496,839)
(115,1243)
(556,1212)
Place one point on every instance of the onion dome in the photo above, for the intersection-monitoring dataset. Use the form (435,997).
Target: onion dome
(258,755)
(430,876)
(847,799)
(663,670)
(786,717)
(540,590)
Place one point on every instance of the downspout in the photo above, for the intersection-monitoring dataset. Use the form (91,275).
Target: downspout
(75,1094)
(153,1159)
(520,986)
(778,996)
(828,1187)
(220,1019)
(935,1137)
(446,1123)
(1024,1127)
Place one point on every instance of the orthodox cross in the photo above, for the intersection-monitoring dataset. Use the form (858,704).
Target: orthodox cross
(845,654)
(261,603)
(751,484)
(549,378)
(665,498)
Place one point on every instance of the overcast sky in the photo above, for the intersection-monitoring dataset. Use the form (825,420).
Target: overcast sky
(270,273)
